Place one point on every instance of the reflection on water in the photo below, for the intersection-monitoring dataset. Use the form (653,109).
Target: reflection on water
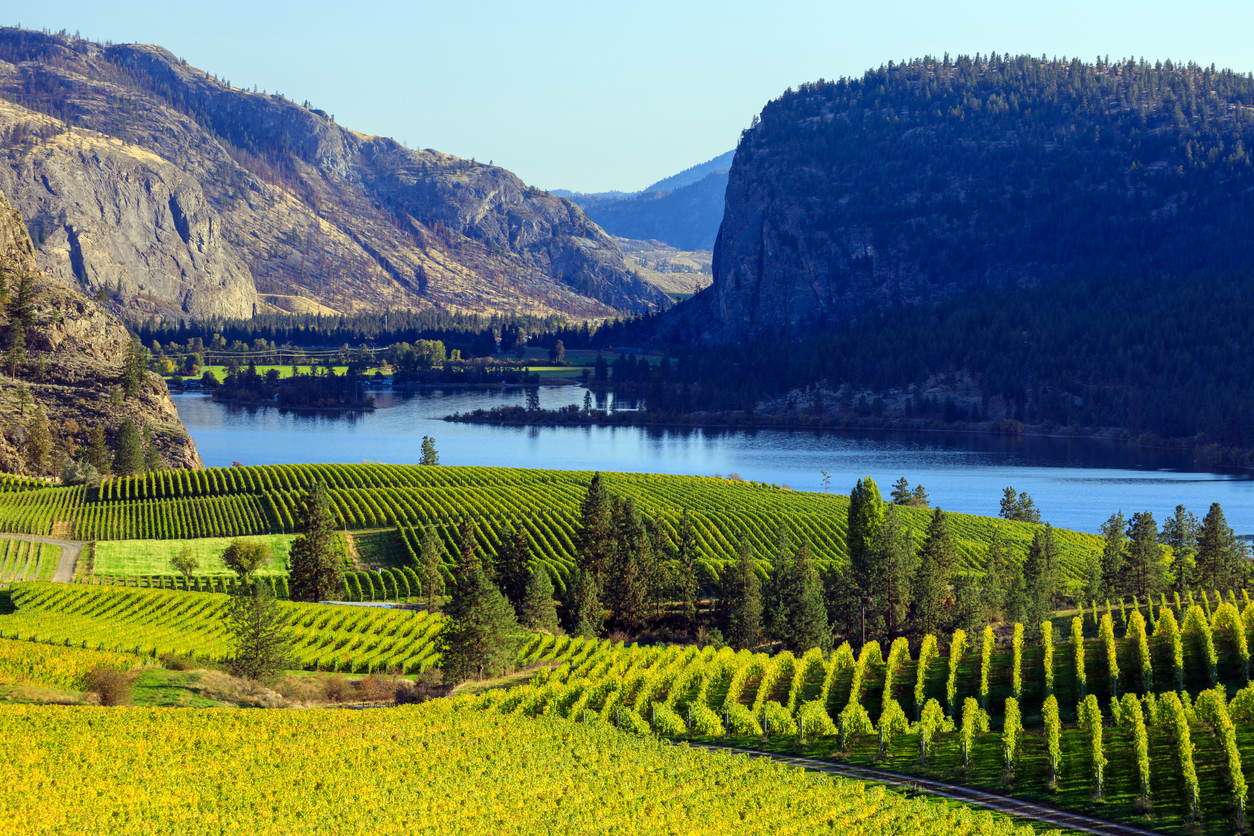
(1077,483)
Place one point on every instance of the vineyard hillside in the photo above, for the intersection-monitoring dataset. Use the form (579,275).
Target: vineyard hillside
(238,501)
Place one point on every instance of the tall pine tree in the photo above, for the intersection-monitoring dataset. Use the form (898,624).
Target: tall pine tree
(1179,532)
(740,600)
(594,542)
(480,637)
(1114,556)
(316,562)
(430,561)
(626,590)
(1219,553)
(582,613)
(687,588)
(538,611)
(1042,577)
(514,566)
(937,559)
(1143,563)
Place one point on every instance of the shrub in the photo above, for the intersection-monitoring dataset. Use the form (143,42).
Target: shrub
(705,722)
(338,689)
(666,721)
(777,721)
(112,685)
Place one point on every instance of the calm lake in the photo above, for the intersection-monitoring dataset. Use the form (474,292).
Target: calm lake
(1077,483)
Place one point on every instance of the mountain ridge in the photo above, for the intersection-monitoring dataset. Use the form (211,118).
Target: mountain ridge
(181,195)
(927,179)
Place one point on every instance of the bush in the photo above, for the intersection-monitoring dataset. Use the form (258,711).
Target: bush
(174,662)
(111,684)
(427,685)
(705,723)
(666,722)
(338,689)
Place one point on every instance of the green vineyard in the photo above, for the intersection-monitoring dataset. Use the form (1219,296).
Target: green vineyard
(1095,724)
(153,622)
(231,502)
(23,560)
(434,768)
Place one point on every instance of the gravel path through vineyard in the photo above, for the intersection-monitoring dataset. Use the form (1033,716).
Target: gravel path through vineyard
(999,803)
(70,551)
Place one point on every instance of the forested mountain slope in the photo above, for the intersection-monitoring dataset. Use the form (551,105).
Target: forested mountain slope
(180,194)
(64,371)
(934,178)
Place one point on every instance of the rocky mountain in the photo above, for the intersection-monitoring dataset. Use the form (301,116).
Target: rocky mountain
(682,211)
(178,194)
(935,178)
(65,372)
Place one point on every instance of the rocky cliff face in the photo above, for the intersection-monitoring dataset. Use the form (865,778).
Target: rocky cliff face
(932,179)
(72,368)
(178,195)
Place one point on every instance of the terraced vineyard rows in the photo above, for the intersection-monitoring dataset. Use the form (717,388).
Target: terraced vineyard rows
(857,703)
(226,502)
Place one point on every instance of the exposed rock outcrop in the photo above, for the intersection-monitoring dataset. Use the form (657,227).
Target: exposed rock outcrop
(73,366)
(932,179)
(182,195)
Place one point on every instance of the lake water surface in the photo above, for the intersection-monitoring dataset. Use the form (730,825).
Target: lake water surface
(1077,483)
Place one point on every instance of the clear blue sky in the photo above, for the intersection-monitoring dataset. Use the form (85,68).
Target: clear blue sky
(593,96)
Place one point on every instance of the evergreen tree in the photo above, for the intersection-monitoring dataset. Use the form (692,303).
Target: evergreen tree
(740,601)
(937,559)
(430,559)
(894,565)
(16,354)
(257,623)
(152,456)
(38,445)
(777,596)
(1143,572)
(653,569)
(866,516)
(686,585)
(1114,556)
(594,542)
(582,613)
(468,551)
(316,562)
(1042,577)
(625,586)
(809,626)
(128,456)
(98,450)
(999,575)
(134,368)
(901,492)
(1092,576)
(538,611)
(480,637)
(1020,507)
(1219,554)
(1179,532)
(514,566)
(429,455)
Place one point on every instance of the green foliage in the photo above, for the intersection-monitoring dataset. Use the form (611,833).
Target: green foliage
(479,638)
(538,611)
(1197,625)
(927,654)
(740,601)
(257,623)
(1012,732)
(1167,632)
(1077,650)
(128,457)
(937,560)
(986,659)
(244,557)
(893,722)
(430,457)
(317,554)
(1016,670)
(1090,715)
(1053,735)
(957,646)
(1175,715)
(1107,633)
(1047,654)
(974,721)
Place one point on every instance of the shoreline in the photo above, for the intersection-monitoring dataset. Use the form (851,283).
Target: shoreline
(967,429)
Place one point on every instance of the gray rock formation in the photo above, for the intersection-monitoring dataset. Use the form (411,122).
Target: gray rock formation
(181,195)
(73,366)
